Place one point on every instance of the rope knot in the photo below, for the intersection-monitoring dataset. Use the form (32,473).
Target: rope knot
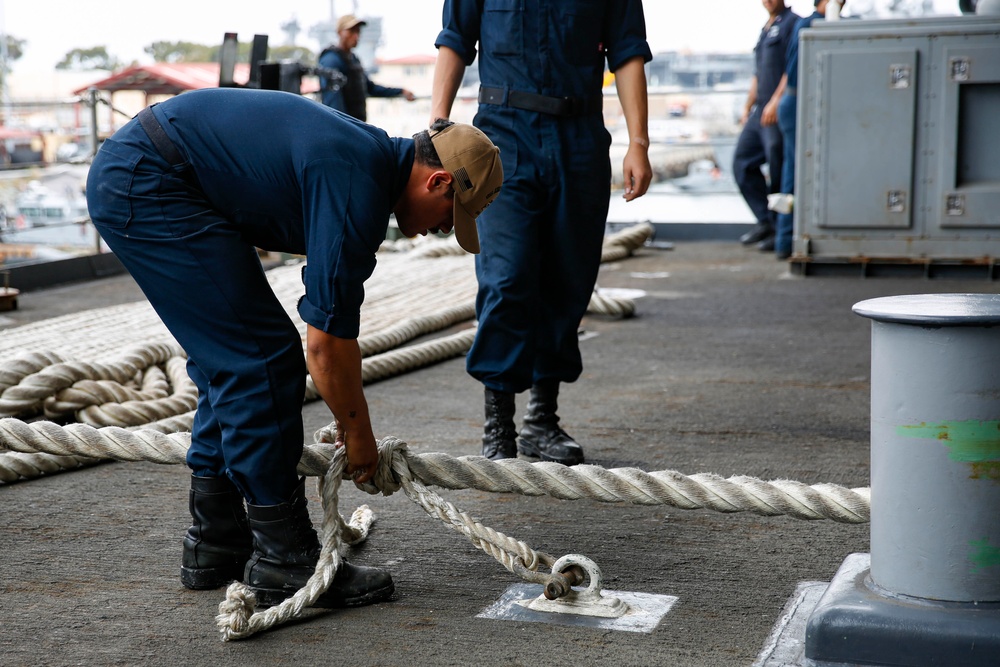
(391,459)
(327,434)
(391,453)
(235,611)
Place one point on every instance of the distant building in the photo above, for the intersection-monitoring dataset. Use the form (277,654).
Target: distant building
(394,115)
(415,73)
(700,71)
(43,112)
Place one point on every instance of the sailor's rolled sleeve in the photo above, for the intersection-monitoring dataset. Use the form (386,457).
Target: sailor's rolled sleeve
(341,326)
(339,260)
(626,34)
(460,28)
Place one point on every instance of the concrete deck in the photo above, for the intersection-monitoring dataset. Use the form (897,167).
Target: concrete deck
(731,366)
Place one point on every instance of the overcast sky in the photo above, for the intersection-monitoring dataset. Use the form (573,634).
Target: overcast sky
(54,27)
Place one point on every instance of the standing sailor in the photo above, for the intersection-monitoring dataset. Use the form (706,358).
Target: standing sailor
(541,65)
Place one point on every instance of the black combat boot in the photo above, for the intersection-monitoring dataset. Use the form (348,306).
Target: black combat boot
(285,552)
(218,544)
(499,432)
(541,435)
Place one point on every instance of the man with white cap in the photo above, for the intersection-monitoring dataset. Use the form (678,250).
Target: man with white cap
(183,195)
(352,96)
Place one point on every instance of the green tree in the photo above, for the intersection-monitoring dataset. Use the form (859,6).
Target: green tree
(96,57)
(182,52)
(15,49)
(296,53)
(189,52)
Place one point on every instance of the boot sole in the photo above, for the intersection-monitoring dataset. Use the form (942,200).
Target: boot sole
(272,597)
(530,450)
(207,578)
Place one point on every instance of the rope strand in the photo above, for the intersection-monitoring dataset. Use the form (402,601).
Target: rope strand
(617,485)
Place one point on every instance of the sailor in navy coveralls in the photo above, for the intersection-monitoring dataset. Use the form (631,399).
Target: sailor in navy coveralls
(184,195)
(541,66)
(760,140)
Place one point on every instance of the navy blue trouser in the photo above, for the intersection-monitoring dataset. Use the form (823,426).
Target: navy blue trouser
(206,283)
(541,247)
(756,146)
(787,108)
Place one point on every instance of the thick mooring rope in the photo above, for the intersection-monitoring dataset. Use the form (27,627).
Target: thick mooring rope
(31,379)
(399,469)
(91,402)
(15,466)
(616,485)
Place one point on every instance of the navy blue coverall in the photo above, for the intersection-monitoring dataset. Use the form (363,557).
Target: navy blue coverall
(351,98)
(787,110)
(759,143)
(541,239)
(252,169)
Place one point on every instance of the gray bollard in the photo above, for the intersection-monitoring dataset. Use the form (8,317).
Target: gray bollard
(929,594)
(935,446)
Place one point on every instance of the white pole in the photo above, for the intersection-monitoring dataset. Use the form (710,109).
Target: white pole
(4,67)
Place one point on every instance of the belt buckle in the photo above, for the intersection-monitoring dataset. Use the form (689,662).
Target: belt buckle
(569,106)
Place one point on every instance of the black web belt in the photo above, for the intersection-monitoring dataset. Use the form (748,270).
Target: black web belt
(555,106)
(164,146)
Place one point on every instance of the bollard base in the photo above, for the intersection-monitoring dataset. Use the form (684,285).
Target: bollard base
(853,623)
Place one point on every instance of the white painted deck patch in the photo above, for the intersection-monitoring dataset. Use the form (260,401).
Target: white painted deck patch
(646,610)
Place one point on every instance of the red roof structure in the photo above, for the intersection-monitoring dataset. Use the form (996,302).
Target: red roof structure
(17,133)
(166,78)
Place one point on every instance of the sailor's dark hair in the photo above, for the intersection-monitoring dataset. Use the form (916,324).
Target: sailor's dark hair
(424,147)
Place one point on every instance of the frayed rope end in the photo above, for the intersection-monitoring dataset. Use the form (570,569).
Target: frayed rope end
(235,611)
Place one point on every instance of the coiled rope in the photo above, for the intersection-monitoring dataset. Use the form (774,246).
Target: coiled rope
(148,385)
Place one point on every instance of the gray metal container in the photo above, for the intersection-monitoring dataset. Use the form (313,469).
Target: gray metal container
(897,137)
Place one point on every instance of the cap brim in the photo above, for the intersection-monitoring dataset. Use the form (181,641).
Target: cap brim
(465,229)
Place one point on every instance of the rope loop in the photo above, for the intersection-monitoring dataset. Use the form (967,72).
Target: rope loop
(238,618)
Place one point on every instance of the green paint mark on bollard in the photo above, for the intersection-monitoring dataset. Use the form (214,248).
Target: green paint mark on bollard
(983,554)
(972,441)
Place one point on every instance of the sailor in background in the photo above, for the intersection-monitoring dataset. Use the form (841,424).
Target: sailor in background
(352,97)
(760,140)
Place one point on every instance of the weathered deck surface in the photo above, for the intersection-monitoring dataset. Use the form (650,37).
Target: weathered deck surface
(731,366)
